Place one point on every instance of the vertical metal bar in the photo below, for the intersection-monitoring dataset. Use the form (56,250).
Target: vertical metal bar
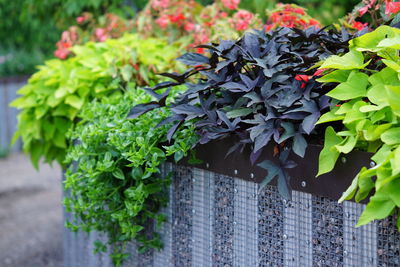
(202,203)
(360,244)
(245,224)
(297,232)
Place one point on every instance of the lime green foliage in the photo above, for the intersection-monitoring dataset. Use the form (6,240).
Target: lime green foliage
(51,100)
(368,97)
(114,184)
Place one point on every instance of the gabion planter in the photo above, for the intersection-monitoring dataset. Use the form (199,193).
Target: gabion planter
(8,116)
(219,220)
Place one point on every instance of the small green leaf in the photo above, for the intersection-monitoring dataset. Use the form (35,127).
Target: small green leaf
(118,173)
(351,191)
(74,101)
(329,154)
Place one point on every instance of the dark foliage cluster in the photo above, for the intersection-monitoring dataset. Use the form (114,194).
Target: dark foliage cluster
(260,89)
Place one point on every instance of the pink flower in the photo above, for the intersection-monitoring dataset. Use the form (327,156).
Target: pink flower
(189,27)
(392,7)
(231,4)
(241,20)
(163,21)
(159,4)
(101,34)
(363,10)
(80,19)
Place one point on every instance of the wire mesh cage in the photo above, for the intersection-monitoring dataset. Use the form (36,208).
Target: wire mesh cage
(217,220)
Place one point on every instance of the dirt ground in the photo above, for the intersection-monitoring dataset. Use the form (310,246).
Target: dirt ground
(30,214)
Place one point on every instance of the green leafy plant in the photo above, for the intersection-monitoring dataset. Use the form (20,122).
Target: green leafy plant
(114,181)
(366,114)
(51,101)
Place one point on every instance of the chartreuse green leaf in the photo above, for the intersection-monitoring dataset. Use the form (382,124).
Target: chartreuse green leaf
(370,41)
(329,154)
(354,87)
(380,206)
(349,61)
(393,42)
(347,145)
(329,117)
(337,76)
(391,136)
(377,92)
(351,191)
(393,93)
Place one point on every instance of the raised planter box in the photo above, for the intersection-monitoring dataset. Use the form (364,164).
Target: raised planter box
(8,116)
(216,218)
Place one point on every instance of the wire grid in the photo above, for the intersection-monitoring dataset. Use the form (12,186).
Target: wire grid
(388,243)
(327,232)
(216,220)
(270,227)
(182,216)
(223,209)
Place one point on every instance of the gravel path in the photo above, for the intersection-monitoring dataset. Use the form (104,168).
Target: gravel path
(30,214)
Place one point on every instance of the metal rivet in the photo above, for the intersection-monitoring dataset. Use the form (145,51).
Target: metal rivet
(284,236)
(347,214)
(193,211)
(235,190)
(343,160)
(193,180)
(252,175)
(284,201)
(345,253)
(234,223)
(207,165)
(254,195)
(372,164)
(303,184)
(236,172)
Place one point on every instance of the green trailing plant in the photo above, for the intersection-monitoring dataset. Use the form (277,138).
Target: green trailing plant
(366,116)
(114,183)
(51,101)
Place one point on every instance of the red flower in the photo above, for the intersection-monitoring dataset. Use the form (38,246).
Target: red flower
(392,7)
(358,25)
(302,78)
(177,18)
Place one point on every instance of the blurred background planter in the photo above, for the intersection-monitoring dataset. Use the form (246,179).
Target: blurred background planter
(218,216)
(8,116)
